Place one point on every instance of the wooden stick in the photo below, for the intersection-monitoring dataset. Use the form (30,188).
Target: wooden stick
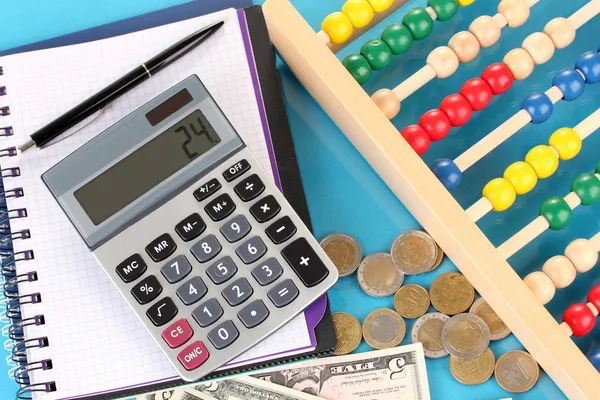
(479,209)
(589,125)
(584,14)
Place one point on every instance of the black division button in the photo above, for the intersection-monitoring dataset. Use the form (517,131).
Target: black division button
(281,230)
(207,313)
(265,209)
(220,207)
(132,268)
(191,227)
(206,190)
(305,262)
(162,312)
(250,188)
(237,292)
(267,272)
(236,170)
(283,293)
(253,314)
(146,290)
(223,335)
(161,247)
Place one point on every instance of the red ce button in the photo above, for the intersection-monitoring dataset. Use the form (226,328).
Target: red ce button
(177,333)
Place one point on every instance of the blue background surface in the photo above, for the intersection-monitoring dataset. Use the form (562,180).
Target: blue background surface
(345,194)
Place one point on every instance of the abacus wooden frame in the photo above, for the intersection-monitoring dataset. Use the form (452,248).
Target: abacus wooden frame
(324,76)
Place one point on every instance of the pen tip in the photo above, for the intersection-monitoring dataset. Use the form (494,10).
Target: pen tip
(26,145)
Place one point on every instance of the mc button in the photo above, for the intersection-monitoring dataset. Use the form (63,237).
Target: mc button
(132,268)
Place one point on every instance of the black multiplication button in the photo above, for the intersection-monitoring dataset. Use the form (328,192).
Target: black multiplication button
(236,170)
(249,188)
(162,312)
(281,230)
(206,190)
(220,207)
(191,227)
(265,209)
(161,247)
(132,268)
(146,290)
(305,262)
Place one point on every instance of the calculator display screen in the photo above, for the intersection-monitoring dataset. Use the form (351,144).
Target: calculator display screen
(146,167)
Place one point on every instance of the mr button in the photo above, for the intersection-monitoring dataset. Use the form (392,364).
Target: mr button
(161,247)
(132,268)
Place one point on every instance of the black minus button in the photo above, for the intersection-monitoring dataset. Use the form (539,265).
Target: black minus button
(206,190)
(236,170)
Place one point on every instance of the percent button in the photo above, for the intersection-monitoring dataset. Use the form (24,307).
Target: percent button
(146,290)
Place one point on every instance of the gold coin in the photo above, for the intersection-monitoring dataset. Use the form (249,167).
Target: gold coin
(516,371)
(465,336)
(439,259)
(348,332)
(498,329)
(428,331)
(473,371)
(377,275)
(411,301)
(451,293)
(384,328)
(344,251)
(414,252)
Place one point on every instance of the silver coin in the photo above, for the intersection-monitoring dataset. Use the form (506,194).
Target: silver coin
(344,251)
(414,252)
(378,276)
(465,336)
(498,329)
(427,330)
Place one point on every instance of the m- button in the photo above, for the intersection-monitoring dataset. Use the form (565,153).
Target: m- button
(132,268)
(236,170)
(161,247)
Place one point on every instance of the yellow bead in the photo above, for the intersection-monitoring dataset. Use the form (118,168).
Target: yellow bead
(522,176)
(381,5)
(543,160)
(338,27)
(567,142)
(500,193)
(359,12)
(464,3)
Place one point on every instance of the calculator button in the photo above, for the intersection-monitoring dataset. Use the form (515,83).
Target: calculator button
(222,270)
(191,291)
(223,335)
(206,190)
(206,249)
(177,333)
(191,227)
(253,314)
(176,269)
(193,356)
(132,268)
(283,293)
(146,290)
(220,207)
(236,228)
(305,262)
(265,209)
(207,313)
(161,247)
(250,188)
(236,170)
(162,312)
(237,292)
(267,272)
(251,250)
(281,230)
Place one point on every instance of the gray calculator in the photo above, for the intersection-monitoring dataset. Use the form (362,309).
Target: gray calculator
(190,229)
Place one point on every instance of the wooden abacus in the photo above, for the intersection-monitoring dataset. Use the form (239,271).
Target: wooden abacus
(365,122)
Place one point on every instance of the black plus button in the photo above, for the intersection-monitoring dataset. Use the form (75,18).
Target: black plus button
(305,262)
(250,188)
(206,190)
(132,268)
(162,312)
(265,209)
(147,290)
(191,227)
(281,230)
(161,247)
(220,207)
(236,170)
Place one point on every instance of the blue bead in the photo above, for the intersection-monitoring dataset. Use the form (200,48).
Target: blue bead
(447,172)
(570,83)
(594,357)
(589,64)
(538,106)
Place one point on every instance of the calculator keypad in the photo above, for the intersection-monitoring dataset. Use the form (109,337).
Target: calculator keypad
(237,292)
(281,230)
(161,247)
(176,269)
(251,250)
(265,209)
(283,293)
(193,356)
(305,262)
(162,312)
(267,272)
(131,268)
(223,335)
(207,189)
(146,290)
(249,188)
(191,227)
(236,228)
(177,333)
(222,270)
(236,170)
(206,249)
(207,313)
(220,208)
(253,314)
(192,291)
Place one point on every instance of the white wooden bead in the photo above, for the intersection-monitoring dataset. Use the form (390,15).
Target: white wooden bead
(541,285)
(516,12)
(486,30)
(560,31)
(465,45)
(539,46)
(443,60)
(519,62)
(560,270)
(387,102)
(582,254)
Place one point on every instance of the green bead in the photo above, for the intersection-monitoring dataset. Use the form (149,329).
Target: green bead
(444,9)
(358,66)
(557,212)
(419,23)
(587,188)
(598,168)
(377,53)
(398,38)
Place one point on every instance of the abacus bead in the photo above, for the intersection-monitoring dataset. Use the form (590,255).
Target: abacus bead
(560,270)
(594,358)
(465,45)
(443,61)
(377,53)
(587,188)
(500,193)
(560,31)
(464,3)
(444,9)
(539,46)
(541,286)
(567,142)
(338,27)
(499,77)
(419,23)
(557,212)
(543,160)
(417,138)
(359,12)
(398,38)
(516,12)
(580,319)
(457,108)
(436,124)
(387,102)
(538,106)
(519,62)
(570,82)
(583,255)
(486,30)
(358,66)
(598,167)
(447,172)
(381,5)
(522,176)
(594,296)
(589,64)
(477,92)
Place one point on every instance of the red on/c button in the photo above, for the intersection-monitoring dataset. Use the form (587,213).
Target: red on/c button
(177,333)
(193,355)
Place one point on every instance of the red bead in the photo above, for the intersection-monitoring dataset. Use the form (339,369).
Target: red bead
(436,124)
(594,296)
(417,138)
(477,92)
(499,77)
(457,108)
(580,319)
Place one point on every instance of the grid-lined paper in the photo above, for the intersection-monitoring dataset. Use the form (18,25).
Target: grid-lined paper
(96,342)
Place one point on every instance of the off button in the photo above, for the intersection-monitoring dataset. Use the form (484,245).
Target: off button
(236,170)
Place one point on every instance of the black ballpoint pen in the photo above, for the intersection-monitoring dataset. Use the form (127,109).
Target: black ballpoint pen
(119,87)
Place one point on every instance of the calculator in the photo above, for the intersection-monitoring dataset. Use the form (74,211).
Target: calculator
(191,230)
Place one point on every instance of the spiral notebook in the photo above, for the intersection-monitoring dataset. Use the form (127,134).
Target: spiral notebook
(75,336)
